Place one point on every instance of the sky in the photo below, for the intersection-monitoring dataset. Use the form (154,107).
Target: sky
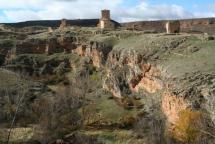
(121,10)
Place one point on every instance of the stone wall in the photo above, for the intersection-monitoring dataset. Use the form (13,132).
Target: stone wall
(106,24)
(145,26)
(204,25)
(198,25)
(173,27)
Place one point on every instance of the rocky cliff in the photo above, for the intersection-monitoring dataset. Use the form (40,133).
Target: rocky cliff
(178,68)
(166,73)
(137,63)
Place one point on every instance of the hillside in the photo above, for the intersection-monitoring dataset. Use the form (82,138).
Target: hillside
(86,86)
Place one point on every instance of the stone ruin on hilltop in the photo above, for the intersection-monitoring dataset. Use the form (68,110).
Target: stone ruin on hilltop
(173,27)
(105,21)
(63,24)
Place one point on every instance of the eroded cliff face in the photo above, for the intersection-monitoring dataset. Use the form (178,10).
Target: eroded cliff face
(135,76)
(172,105)
(196,91)
(133,65)
(148,80)
(129,74)
(126,71)
(47,45)
(130,71)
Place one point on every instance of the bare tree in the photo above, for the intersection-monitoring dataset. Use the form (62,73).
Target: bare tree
(20,100)
(58,113)
(82,84)
(15,96)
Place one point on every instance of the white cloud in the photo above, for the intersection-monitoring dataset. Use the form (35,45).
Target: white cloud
(204,14)
(22,15)
(22,4)
(22,10)
(145,11)
(55,9)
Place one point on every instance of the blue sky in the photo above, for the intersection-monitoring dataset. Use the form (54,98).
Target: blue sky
(122,10)
(192,5)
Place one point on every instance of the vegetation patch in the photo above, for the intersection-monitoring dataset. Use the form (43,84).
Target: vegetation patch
(189,125)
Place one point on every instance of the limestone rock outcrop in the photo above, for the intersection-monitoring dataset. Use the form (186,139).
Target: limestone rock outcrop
(172,105)
(130,71)
(48,46)
(31,46)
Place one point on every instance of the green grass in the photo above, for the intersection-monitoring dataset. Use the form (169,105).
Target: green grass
(107,40)
(108,109)
(202,60)
(95,76)
(115,136)
(44,57)
(18,135)
(199,42)
(8,79)
(63,56)
(148,45)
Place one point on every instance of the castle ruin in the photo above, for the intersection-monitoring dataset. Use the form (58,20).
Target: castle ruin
(50,30)
(105,21)
(173,27)
(63,24)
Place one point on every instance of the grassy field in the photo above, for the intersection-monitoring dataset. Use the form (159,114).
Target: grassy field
(202,60)
(8,79)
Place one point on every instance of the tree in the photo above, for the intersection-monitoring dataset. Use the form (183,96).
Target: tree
(15,97)
(59,114)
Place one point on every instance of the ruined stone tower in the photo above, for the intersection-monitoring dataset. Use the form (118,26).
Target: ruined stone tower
(105,15)
(173,27)
(105,21)
(63,24)
(50,30)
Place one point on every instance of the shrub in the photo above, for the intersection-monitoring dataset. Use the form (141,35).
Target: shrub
(127,103)
(127,121)
(151,127)
(58,114)
(188,126)
(95,76)
(130,103)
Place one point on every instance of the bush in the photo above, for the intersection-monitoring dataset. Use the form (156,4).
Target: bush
(130,103)
(127,121)
(95,76)
(151,127)
(59,114)
(188,126)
